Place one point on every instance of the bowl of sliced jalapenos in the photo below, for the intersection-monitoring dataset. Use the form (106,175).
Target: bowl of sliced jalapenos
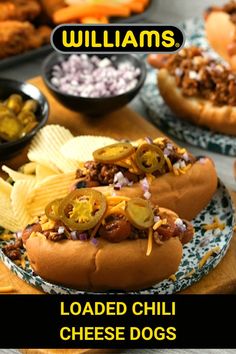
(23,111)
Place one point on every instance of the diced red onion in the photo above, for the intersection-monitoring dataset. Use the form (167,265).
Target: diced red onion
(202,160)
(166,152)
(86,76)
(178,72)
(157,218)
(145,185)
(19,234)
(193,75)
(94,241)
(120,180)
(74,235)
(180,224)
(185,156)
(169,146)
(61,230)
(176,165)
(148,140)
(83,236)
(147,195)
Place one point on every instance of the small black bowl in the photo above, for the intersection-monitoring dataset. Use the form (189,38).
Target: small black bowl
(27,91)
(93,106)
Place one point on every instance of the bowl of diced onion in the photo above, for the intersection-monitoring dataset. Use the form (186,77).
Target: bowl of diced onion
(94,84)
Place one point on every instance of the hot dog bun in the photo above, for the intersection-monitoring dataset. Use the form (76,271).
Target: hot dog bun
(107,266)
(199,111)
(178,192)
(220,32)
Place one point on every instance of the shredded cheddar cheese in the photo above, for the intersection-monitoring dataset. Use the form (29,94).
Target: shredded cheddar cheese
(22,261)
(173,278)
(114,200)
(7,237)
(176,171)
(6,289)
(189,274)
(207,256)
(123,164)
(215,225)
(181,151)
(157,225)
(150,178)
(48,225)
(169,164)
(150,240)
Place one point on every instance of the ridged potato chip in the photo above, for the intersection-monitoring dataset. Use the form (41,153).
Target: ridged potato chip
(7,218)
(46,145)
(53,187)
(15,175)
(81,148)
(43,172)
(28,168)
(19,198)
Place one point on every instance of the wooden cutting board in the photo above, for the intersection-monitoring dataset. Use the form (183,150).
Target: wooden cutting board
(68,351)
(121,124)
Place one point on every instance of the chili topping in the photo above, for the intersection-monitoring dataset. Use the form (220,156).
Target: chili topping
(198,74)
(87,215)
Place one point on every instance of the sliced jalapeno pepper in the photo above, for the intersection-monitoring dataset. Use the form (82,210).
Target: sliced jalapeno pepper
(140,213)
(113,153)
(82,209)
(149,158)
(52,209)
(10,128)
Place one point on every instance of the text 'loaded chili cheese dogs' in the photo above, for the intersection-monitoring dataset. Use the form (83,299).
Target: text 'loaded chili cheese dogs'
(92,242)
(220,24)
(200,89)
(156,170)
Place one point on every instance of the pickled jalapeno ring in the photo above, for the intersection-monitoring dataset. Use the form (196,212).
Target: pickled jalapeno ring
(52,209)
(82,209)
(140,213)
(10,128)
(17,117)
(14,103)
(149,158)
(113,152)
(30,106)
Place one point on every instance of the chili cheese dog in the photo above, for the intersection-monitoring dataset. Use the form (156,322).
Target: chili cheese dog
(200,89)
(157,170)
(91,242)
(220,25)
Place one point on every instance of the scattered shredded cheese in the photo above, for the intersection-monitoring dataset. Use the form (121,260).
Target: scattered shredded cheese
(189,274)
(157,225)
(150,178)
(181,151)
(114,200)
(207,256)
(22,261)
(150,239)
(7,237)
(176,171)
(215,225)
(169,164)
(173,277)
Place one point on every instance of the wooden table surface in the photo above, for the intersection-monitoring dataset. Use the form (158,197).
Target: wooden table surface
(126,124)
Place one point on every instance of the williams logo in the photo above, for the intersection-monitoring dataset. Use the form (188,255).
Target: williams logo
(117,38)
